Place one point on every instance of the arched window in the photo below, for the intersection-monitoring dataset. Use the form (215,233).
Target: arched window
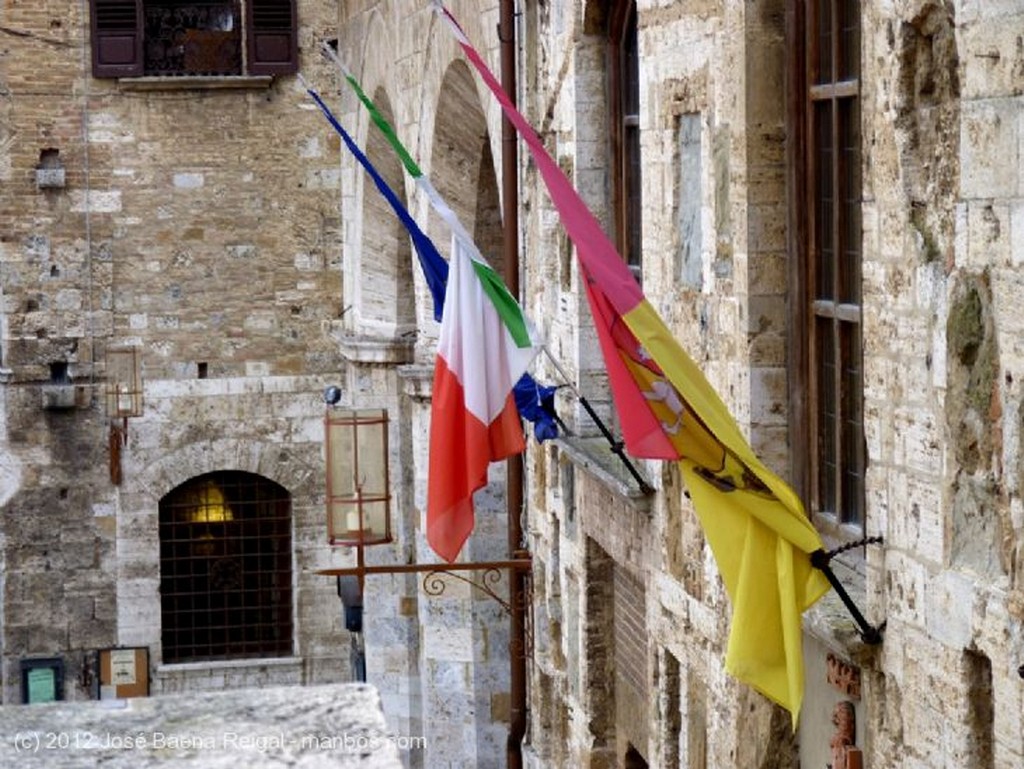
(226,569)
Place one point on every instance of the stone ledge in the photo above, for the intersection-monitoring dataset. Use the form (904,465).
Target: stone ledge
(213,82)
(418,381)
(211,665)
(381,350)
(830,621)
(336,726)
(595,456)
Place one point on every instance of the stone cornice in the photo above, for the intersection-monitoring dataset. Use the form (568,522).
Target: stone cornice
(379,350)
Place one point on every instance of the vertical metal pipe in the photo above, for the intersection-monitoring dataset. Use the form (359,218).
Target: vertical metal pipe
(514,477)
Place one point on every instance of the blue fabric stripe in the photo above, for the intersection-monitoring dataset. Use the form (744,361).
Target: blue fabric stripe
(435,268)
(529,395)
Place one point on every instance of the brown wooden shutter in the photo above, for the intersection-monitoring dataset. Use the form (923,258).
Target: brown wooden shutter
(271,29)
(116,38)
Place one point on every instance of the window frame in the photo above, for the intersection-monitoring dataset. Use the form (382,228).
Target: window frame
(268,34)
(834,315)
(624,130)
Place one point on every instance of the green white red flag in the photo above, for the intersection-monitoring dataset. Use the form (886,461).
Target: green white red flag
(485,346)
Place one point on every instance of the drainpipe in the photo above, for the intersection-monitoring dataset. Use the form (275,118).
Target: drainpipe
(514,477)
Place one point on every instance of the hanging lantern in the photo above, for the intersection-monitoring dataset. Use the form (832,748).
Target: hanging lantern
(124,383)
(358,496)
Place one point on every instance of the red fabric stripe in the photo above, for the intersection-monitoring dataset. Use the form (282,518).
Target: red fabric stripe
(461,448)
(641,429)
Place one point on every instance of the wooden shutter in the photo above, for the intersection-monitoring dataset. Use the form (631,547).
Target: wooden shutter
(116,38)
(272,40)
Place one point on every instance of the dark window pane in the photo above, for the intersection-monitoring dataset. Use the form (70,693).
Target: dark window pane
(825,256)
(852,426)
(850,227)
(192,38)
(827,416)
(634,210)
(631,194)
(849,31)
(822,72)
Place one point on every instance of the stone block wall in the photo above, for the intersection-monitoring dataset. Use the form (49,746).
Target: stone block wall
(941,126)
(201,225)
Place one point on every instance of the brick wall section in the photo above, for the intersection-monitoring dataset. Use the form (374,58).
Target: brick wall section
(630,631)
(201,225)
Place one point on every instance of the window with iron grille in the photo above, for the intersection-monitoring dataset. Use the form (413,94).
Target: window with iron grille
(226,569)
(624,109)
(131,38)
(833,260)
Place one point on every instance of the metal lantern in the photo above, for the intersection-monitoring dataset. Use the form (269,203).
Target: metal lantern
(124,383)
(358,495)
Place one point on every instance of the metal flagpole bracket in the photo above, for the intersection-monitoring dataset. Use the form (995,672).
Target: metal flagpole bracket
(434,573)
(820,560)
(616,447)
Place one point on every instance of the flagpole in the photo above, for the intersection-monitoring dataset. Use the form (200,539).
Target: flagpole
(616,446)
(514,464)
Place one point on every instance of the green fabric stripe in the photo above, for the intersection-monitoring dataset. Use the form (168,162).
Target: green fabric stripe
(388,131)
(506,305)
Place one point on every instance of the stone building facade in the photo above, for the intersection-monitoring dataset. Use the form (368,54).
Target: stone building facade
(224,233)
(168,192)
(630,616)
(195,221)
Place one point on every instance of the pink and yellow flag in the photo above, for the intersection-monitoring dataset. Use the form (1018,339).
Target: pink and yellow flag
(754,523)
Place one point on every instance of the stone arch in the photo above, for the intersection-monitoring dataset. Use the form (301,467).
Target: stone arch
(386,257)
(275,462)
(463,169)
(138,565)
(378,265)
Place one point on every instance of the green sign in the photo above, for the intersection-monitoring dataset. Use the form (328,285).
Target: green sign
(42,685)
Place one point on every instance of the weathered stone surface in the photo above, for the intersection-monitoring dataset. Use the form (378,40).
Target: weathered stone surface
(306,727)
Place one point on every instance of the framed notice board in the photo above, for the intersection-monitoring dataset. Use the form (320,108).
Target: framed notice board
(124,673)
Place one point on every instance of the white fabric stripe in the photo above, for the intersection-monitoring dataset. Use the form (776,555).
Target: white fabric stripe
(468,244)
(475,343)
(440,9)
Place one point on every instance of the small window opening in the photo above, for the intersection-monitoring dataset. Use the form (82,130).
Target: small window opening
(59,372)
(49,158)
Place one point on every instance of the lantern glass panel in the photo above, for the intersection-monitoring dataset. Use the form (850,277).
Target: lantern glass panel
(124,383)
(358,500)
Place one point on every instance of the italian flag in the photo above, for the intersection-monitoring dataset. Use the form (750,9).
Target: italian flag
(485,346)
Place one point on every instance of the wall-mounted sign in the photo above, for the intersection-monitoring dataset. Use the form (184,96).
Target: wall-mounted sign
(124,673)
(42,680)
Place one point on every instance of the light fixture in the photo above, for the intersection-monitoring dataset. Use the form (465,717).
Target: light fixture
(123,396)
(124,383)
(206,504)
(358,493)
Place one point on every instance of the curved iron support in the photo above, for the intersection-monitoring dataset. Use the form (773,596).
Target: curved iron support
(434,584)
(820,560)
